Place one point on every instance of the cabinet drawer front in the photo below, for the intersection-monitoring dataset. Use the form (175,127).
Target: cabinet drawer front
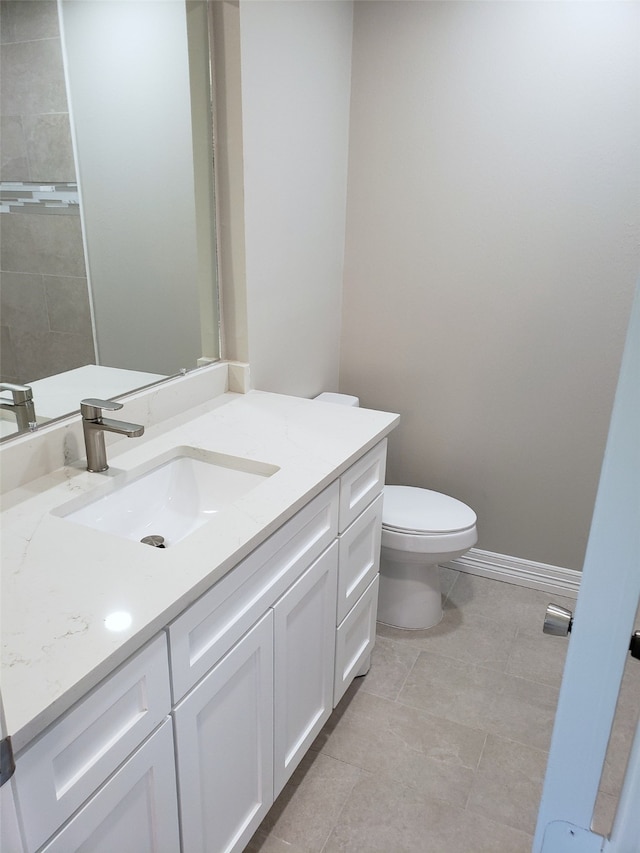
(137,809)
(355,639)
(304,644)
(361,483)
(207,630)
(359,556)
(224,747)
(76,754)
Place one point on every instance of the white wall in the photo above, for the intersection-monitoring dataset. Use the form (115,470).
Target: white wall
(295,66)
(492,250)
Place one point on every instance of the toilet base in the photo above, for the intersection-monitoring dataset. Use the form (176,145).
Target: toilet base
(409,595)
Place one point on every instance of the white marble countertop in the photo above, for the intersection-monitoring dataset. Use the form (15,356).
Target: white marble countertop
(60,580)
(60,394)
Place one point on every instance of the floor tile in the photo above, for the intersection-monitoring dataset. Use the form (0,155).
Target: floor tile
(263,842)
(604,813)
(479,697)
(451,689)
(310,804)
(524,711)
(468,637)
(538,657)
(411,747)
(382,816)
(391,663)
(448,577)
(505,603)
(508,784)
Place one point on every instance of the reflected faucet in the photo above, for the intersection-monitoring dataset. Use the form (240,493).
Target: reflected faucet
(21,404)
(94,427)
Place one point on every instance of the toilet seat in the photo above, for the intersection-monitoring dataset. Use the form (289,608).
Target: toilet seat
(421,512)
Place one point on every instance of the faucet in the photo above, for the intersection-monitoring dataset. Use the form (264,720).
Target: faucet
(21,404)
(94,427)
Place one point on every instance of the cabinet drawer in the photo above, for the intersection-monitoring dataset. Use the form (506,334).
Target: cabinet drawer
(355,639)
(210,627)
(359,556)
(75,755)
(136,810)
(361,483)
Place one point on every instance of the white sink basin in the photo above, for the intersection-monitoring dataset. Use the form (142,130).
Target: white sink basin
(169,497)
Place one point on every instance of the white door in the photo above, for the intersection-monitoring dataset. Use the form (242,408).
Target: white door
(224,747)
(304,643)
(598,649)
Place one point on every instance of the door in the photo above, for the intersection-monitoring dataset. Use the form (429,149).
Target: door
(304,642)
(598,649)
(224,747)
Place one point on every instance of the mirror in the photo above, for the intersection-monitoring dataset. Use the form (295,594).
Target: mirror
(108,228)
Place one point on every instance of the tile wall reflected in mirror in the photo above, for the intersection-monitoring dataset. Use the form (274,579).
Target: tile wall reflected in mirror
(44,307)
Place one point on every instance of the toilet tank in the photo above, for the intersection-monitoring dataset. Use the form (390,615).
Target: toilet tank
(339,399)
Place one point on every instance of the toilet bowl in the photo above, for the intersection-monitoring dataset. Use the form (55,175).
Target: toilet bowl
(420,529)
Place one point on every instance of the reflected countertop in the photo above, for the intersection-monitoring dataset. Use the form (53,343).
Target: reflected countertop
(61,582)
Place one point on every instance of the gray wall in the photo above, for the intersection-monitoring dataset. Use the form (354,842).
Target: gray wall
(492,250)
(46,321)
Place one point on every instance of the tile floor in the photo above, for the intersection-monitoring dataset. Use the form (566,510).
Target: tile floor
(442,747)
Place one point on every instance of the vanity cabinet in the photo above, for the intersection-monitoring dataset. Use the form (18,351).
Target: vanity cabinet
(59,771)
(240,731)
(259,647)
(186,746)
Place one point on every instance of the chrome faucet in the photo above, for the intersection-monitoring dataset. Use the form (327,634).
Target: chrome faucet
(21,404)
(94,427)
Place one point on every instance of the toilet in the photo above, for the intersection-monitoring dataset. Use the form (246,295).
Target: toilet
(420,530)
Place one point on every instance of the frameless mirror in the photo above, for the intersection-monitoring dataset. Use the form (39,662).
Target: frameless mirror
(108,246)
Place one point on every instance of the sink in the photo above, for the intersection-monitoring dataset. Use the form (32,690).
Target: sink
(169,497)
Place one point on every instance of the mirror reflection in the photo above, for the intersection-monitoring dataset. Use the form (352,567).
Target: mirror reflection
(108,247)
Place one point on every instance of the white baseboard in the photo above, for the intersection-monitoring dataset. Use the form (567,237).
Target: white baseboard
(487,564)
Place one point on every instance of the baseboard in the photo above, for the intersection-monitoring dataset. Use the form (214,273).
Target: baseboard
(552,579)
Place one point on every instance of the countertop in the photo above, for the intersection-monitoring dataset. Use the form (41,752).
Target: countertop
(57,396)
(61,580)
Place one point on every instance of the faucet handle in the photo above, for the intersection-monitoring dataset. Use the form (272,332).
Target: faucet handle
(19,393)
(91,408)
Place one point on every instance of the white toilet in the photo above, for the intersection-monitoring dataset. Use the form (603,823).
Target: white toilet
(420,529)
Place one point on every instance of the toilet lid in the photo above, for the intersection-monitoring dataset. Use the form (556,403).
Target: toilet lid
(414,510)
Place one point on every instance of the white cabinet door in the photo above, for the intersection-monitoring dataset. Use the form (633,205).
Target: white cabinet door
(224,747)
(10,839)
(304,646)
(355,638)
(60,770)
(135,812)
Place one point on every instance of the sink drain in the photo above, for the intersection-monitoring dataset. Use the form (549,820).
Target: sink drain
(155,540)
